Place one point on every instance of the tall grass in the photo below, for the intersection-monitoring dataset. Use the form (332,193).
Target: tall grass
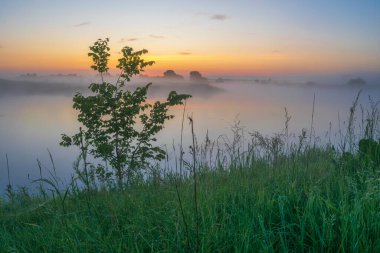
(246,193)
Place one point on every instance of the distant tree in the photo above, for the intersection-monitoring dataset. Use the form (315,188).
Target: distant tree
(171,74)
(197,76)
(110,116)
(219,80)
(29,75)
(357,82)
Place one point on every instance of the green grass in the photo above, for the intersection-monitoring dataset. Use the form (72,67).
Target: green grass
(262,194)
(311,201)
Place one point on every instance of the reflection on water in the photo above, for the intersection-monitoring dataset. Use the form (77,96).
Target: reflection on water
(29,125)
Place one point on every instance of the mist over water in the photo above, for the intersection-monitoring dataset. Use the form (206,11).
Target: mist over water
(34,113)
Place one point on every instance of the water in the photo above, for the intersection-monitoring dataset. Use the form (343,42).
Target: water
(30,125)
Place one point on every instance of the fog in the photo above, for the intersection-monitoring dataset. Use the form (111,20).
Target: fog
(36,110)
(69,84)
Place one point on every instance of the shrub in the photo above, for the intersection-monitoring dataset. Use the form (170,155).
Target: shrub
(119,125)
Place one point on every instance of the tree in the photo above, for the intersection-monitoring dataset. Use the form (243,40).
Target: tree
(196,76)
(171,74)
(110,116)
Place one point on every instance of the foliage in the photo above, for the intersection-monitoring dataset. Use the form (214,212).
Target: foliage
(273,196)
(370,149)
(367,157)
(258,206)
(119,125)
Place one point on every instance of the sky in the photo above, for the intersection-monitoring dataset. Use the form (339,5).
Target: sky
(215,37)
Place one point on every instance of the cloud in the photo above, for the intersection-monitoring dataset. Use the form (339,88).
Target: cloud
(128,40)
(156,36)
(219,17)
(184,53)
(82,24)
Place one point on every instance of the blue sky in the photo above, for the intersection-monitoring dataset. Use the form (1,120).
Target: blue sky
(215,36)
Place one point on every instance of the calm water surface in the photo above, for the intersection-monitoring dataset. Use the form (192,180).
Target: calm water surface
(32,124)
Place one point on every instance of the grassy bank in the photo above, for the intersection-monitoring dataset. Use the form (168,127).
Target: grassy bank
(314,200)
(280,193)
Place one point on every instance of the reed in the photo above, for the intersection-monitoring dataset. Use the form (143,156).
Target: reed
(248,193)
